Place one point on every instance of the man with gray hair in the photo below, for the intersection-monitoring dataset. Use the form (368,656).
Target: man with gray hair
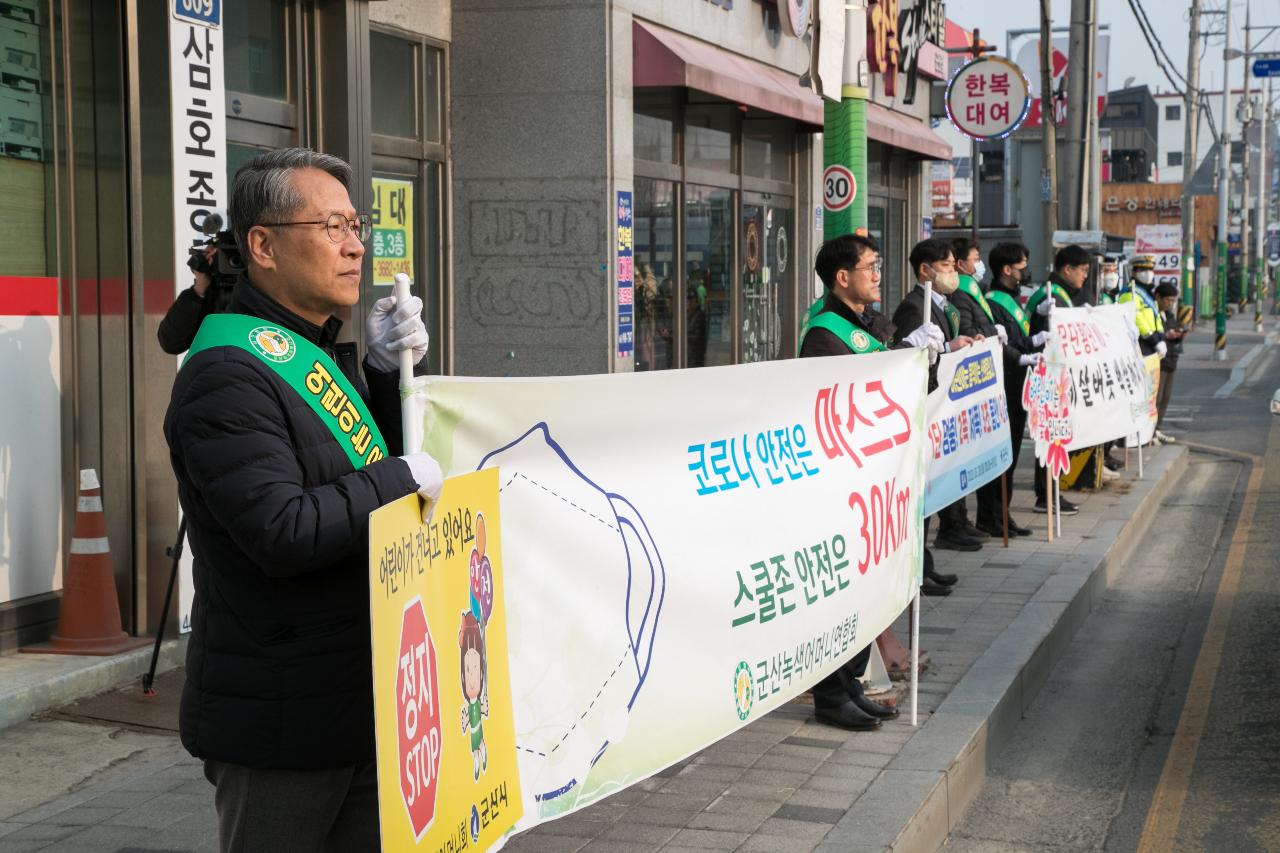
(281,450)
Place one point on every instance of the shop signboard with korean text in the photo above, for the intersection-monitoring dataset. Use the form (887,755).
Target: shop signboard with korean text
(713,541)
(968,425)
(447,773)
(1164,244)
(988,98)
(392,219)
(626,284)
(198,144)
(1094,386)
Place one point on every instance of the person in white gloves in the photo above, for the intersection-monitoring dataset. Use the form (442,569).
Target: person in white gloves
(281,450)
(933,261)
(1141,292)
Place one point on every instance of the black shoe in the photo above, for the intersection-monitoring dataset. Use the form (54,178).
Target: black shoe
(931,588)
(847,716)
(974,532)
(941,579)
(956,540)
(873,708)
(1112,464)
(1016,529)
(1065,507)
(995,528)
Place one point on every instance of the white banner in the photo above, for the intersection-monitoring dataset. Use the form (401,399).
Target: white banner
(1094,387)
(968,424)
(686,550)
(199,146)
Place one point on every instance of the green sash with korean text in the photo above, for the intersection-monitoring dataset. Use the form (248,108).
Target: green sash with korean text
(1008,303)
(858,340)
(308,370)
(970,288)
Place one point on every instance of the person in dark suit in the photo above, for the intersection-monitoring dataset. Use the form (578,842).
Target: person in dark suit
(933,261)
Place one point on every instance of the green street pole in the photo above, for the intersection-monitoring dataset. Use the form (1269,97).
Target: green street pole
(844,144)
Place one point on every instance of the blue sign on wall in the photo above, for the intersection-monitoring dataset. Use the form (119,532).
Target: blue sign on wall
(1267,67)
(205,12)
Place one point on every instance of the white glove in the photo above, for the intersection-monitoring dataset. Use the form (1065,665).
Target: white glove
(1001,334)
(426,473)
(392,328)
(1039,339)
(1030,360)
(1045,306)
(929,336)
(1162,349)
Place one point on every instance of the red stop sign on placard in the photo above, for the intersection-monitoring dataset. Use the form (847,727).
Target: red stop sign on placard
(418,713)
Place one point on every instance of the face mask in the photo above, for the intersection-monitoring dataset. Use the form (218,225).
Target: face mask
(1110,281)
(1144,276)
(946,283)
(979,271)
(1023,276)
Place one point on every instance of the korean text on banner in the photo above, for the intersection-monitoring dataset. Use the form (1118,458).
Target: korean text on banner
(1096,372)
(711,541)
(447,775)
(968,420)
(392,220)
(1147,431)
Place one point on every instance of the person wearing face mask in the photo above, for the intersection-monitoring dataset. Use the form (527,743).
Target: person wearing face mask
(932,261)
(1109,283)
(1141,292)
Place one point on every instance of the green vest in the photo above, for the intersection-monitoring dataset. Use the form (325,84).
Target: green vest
(1038,297)
(1008,303)
(970,288)
(857,339)
(308,370)
(1105,298)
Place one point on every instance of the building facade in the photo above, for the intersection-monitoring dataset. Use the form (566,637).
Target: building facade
(579,187)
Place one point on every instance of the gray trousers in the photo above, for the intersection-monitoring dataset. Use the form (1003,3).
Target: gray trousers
(295,811)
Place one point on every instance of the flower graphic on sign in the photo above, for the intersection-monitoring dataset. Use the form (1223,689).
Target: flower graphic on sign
(1047,396)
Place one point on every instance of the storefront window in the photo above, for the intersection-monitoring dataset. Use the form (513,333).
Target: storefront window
(653,127)
(708,137)
(257,47)
(23,94)
(393,82)
(767,232)
(655,274)
(766,148)
(708,230)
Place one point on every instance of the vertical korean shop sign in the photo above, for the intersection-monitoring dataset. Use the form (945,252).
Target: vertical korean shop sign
(198,127)
(447,770)
(626,237)
(392,215)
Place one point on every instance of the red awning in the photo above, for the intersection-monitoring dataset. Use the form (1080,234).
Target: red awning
(901,131)
(662,57)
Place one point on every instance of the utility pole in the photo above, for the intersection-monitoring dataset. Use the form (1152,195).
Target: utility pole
(1259,274)
(1048,127)
(1190,161)
(1224,179)
(1078,72)
(1092,209)
(1244,112)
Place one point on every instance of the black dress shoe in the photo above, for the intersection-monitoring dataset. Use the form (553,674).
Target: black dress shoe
(873,708)
(1017,529)
(1112,464)
(956,540)
(941,579)
(973,531)
(847,716)
(1065,507)
(995,528)
(931,588)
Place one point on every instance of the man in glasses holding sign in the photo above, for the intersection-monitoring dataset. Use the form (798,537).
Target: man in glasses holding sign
(281,450)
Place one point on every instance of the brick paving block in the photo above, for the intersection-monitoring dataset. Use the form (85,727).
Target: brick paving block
(545,843)
(681,802)
(605,846)
(773,778)
(776,844)
(146,816)
(806,830)
(82,815)
(641,833)
(725,757)
(842,799)
(755,793)
(708,839)
(694,786)
(7,827)
(794,763)
(856,756)
(809,814)
(710,773)
(122,799)
(655,816)
(99,838)
(46,810)
(738,822)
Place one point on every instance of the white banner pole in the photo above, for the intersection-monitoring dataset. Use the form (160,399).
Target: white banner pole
(915,655)
(411,426)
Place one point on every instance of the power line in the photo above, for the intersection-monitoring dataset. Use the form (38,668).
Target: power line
(1140,17)
(1145,24)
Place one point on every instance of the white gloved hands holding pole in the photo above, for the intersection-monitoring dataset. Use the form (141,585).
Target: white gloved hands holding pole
(1045,306)
(395,326)
(1002,335)
(1030,360)
(1162,349)
(1039,339)
(427,474)
(930,337)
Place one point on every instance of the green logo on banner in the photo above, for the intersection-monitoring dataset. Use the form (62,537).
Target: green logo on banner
(273,344)
(743,689)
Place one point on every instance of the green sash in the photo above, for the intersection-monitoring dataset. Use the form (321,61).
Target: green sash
(858,340)
(953,318)
(1008,303)
(306,369)
(970,288)
(1039,296)
(1105,298)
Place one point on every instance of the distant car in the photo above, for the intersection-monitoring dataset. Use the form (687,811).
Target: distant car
(1275,403)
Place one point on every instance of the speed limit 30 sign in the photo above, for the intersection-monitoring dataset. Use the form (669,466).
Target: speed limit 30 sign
(839,188)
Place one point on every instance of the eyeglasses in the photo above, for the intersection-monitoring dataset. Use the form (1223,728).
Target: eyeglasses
(874,269)
(337,226)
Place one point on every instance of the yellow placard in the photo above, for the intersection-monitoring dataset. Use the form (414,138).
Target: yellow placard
(392,213)
(447,771)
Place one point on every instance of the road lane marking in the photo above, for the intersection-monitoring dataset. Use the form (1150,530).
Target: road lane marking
(1165,812)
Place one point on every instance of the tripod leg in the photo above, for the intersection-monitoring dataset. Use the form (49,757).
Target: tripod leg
(149,679)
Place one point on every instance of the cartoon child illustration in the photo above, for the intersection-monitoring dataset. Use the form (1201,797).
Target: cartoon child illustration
(474,688)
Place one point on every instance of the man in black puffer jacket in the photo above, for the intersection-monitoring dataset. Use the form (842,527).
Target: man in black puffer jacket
(277,479)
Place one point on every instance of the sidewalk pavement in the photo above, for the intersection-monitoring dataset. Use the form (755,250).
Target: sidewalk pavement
(783,783)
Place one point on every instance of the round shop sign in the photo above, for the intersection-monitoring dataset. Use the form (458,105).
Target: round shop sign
(839,187)
(418,719)
(794,16)
(753,246)
(988,98)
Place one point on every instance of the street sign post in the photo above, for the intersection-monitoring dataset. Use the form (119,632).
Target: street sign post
(1267,66)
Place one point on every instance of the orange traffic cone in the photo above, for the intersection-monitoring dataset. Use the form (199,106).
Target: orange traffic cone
(89,623)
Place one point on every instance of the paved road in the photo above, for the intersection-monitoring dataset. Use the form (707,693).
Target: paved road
(1160,730)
